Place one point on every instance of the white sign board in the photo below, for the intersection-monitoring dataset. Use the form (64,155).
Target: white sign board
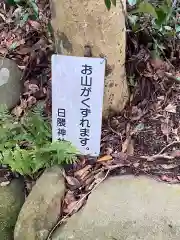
(77,100)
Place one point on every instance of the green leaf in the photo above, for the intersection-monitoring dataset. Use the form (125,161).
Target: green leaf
(133,19)
(177,27)
(13,46)
(132,2)
(108,4)
(11,2)
(34,7)
(113,2)
(24,19)
(146,7)
(162,15)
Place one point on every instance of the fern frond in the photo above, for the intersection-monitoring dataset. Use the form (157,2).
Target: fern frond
(39,152)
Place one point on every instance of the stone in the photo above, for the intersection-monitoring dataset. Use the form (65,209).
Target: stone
(10,83)
(127,208)
(42,208)
(12,198)
(83,25)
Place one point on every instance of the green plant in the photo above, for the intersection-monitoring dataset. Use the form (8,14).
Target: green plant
(108,3)
(26,146)
(28,9)
(159,19)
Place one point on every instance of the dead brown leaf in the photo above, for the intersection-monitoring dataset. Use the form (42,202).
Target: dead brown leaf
(169,179)
(130,147)
(4,184)
(73,181)
(157,63)
(33,88)
(169,166)
(36,25)
(105,158)
(81,172)
(31,101)
(176,153)
(17,111)
(125,144)
(69,197)
(3,51)
(165,128)
(24,50)
(136,113)
(73,207)
(171,108)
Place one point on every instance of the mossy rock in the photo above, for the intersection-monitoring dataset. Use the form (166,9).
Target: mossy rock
(12,198)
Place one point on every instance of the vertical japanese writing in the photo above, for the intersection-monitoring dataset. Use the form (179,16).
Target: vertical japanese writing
(61,123)
(86,84)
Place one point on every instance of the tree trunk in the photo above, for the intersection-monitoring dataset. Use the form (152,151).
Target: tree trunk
(81,25)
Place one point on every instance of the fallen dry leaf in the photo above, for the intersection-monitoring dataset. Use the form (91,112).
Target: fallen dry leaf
(170,108)
(105,158)
(73,181)
(69,197)
(17,111)
(157,63)
(125,144)
(24,50)
(33,88)
(130,147)
(4,184)
(81,172)
(165,129)
(176,153)
(36,25)
(73,207)
(169,166)
(3,51)
(31,101)
(136,113)
(169,179)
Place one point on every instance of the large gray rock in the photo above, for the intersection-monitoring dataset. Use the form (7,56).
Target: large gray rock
(42,208)
(127,208)
(10,84)
(11,200)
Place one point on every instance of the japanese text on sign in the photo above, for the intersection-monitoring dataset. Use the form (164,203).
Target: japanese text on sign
(86,83)
(77,99)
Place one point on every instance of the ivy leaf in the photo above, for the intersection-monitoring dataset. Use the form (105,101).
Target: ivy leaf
(132,2)
(146,7)
(108,4)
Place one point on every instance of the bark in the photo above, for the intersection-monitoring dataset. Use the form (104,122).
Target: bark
(81,23)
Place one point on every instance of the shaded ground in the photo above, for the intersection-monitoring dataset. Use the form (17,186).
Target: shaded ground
(142,139)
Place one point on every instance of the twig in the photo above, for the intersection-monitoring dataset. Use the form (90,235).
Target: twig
(171,77)
(160,154)
(114,131)
(65,217)
(154,157)
(169,145)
